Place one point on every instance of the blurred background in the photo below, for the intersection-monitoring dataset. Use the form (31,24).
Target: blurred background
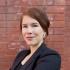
(11,41)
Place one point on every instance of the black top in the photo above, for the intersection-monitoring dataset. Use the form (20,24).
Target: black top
(43,59)
(19,67)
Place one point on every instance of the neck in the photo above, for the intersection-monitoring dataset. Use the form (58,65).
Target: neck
(35,47)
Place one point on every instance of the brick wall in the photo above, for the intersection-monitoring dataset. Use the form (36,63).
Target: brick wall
(11,39)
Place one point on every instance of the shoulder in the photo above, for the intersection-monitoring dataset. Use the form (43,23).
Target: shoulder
(49,54)
(48,60)
(21,53)
(44,50)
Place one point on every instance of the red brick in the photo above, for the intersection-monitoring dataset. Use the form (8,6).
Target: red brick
(59,2)
(2,10)
(59,46)
(4,50)
(67,28)
(68,13)
(3,39)
(57,24)
(55,9)
(2,33)
(10,2)
(3,24)
(38,2)
(3,44)
(12,17)
(56,38)
(5,65)
(67,19)
(2,2)
(13,24)
(59,17)
(50,2)
(67,32)
(51,31)
(67,2)
(12,9)
(13,45)
(12,34)
(59,31)
(2,17)
(50,44)
(67,24)
(50,38)
(67,40)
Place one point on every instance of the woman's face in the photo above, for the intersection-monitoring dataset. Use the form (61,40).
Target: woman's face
(32,31)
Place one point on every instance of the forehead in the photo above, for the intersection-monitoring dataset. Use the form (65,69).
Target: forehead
(27,19)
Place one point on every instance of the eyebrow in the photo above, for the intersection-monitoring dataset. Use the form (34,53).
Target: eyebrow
(32,23)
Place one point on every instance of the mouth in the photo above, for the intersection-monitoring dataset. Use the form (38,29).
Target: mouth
(30,38)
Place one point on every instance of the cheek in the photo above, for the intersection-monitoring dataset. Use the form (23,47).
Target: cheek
(23,33)
(40,31)
(40,34)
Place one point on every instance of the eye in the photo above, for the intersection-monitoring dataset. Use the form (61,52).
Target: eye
(34,25)
(24,26)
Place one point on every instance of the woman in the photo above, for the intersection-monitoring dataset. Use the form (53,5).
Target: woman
(34,26)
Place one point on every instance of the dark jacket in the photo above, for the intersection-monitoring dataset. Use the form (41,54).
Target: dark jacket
(43,59)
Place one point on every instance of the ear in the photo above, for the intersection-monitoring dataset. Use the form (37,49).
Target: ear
(44,34)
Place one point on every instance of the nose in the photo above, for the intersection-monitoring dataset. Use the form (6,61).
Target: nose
(30,30)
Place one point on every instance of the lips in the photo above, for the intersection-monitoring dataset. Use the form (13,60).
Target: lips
(29,38)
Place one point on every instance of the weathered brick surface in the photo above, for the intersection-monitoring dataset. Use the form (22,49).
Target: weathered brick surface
(59,32)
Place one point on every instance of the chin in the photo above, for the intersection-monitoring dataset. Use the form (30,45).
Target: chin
(31,43)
